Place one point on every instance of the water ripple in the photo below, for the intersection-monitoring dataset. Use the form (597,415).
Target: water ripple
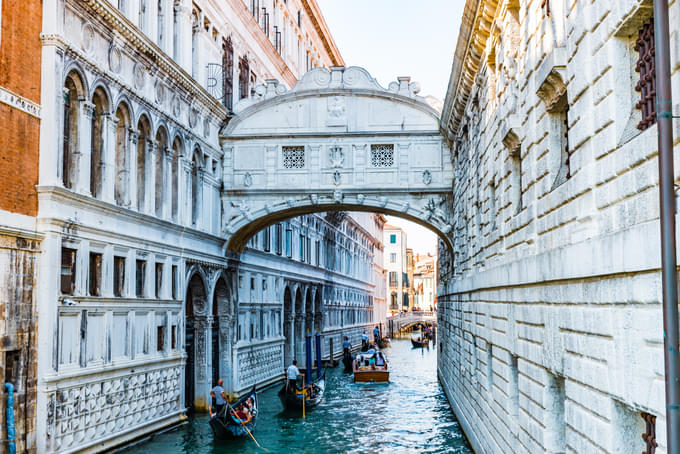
(409,415)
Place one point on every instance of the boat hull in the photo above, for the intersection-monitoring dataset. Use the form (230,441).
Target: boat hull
(372,376)
(419,344)
(292,401)
(226,427)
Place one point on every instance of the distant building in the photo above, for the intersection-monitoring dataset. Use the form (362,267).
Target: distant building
(425,281)
(409,294)
(395,267)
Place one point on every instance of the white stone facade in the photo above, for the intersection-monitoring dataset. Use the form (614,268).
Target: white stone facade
(395,268)
(140,305)
(550,320)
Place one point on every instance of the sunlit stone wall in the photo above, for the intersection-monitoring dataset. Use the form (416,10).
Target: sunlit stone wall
(549,308)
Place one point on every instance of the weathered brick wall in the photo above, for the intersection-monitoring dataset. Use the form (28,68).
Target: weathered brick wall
(550,311)
(18,339)
(20,50)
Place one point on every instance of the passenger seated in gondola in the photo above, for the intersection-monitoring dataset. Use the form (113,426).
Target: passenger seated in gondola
(243,413)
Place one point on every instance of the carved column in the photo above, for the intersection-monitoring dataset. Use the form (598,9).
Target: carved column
(202,361)
(200,188)
(183,34)
(167,184)
(150,177)
(84,152)
(131,165)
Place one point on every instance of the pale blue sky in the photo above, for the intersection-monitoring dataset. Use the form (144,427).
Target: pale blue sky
(392,38)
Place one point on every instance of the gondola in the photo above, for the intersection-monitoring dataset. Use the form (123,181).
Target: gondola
(383,342)
(226,424)
(422,343)
(293,400)
(371,367)
(347,361)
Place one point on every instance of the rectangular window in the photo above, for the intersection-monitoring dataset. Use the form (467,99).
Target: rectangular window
(174,282)
(279,239)
(289,243)
(160,338)
(140,274)
(228,73)
(243,77)
(252,283)
(159,279)
(68,271)
(95,274)
(393,279)
(393,257)
(267,239)
(301,247)
(393,239)
(647,83)
(382,155)
(293,157)
(317,253)
(118,276)
(173,338)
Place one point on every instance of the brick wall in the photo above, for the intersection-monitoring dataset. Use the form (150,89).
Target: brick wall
(19,132)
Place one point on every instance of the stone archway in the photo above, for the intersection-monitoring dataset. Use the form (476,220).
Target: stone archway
(194,340)
(299,333)
(337,141)
(288,328)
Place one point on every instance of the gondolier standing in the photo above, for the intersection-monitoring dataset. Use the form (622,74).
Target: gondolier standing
(220,397)
(376,334)
(292,374)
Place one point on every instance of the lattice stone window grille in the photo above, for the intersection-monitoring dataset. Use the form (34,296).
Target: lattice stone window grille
(382,155)
(293,157)
(650,433)
(644,45)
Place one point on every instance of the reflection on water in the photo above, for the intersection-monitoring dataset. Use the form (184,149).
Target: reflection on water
(408,415)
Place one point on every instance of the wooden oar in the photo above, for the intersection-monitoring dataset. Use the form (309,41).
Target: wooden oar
(244,426)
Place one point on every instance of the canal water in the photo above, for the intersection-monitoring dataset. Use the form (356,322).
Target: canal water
(408,415)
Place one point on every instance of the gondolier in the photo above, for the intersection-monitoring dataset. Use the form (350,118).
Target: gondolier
(292,373)
(376,334)
(217,393)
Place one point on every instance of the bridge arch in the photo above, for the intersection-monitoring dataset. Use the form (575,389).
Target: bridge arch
(337,141)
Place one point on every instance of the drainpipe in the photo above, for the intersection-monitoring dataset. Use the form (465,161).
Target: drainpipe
(667,218)
(10,418)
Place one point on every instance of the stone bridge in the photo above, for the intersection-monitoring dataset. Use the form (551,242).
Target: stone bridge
(399,322)
(336,141)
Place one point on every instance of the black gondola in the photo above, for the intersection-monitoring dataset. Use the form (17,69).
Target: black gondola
(227,425)
(421,343)
(293,400)
(347,361)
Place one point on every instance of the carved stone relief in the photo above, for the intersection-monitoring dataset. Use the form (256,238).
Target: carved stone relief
(115,58)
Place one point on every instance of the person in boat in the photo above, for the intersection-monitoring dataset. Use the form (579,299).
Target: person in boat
(346,346)
(243,412)
(380,361)
(376,334)
(292,373)
(220,398)
(364,340)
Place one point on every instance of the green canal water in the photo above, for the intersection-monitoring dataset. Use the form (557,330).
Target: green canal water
(408,415)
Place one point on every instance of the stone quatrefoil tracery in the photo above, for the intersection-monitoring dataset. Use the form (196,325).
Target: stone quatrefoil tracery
(382,155)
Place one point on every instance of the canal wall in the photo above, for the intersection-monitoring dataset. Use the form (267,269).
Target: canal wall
(549,309)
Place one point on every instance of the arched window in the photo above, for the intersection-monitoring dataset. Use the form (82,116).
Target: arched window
(72,89)
(100,103)
(195,186)
(142,140)
(159,187)
(122,182)
(176,152)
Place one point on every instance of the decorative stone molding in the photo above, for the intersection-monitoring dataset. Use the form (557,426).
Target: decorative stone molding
(551,78)
(510,135)
(87,37)
(115,58)
(139,75)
